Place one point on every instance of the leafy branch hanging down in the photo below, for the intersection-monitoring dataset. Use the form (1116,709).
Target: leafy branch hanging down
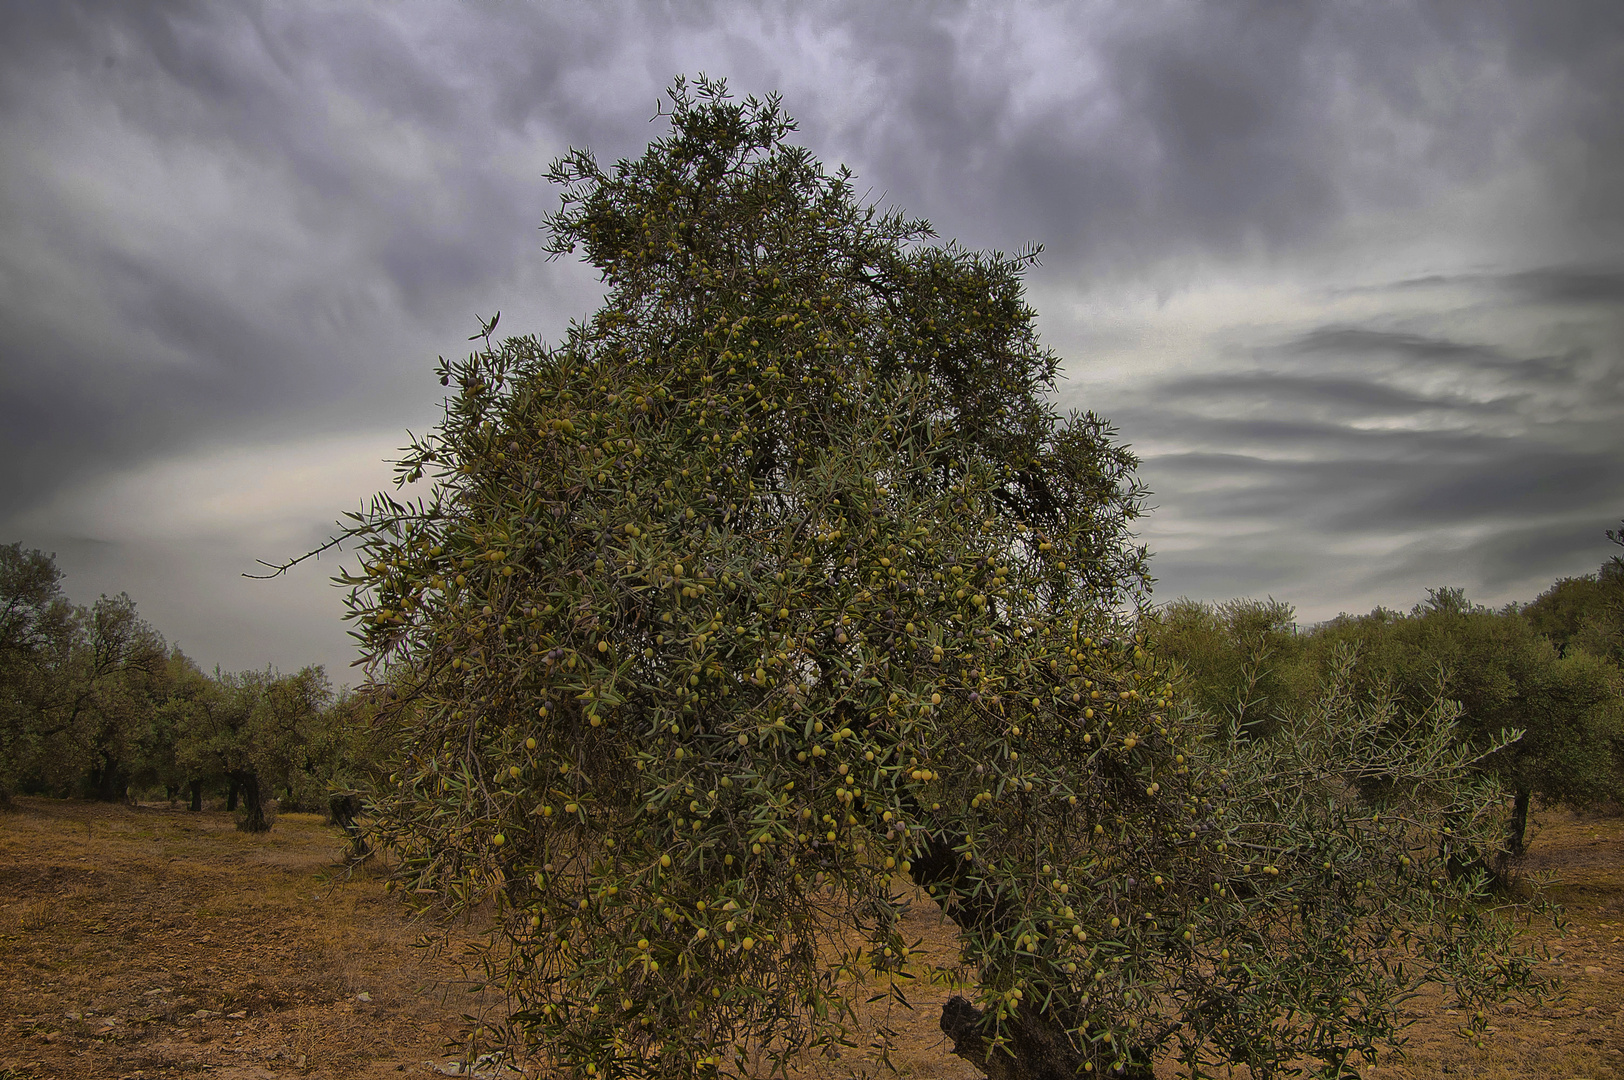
(777,579)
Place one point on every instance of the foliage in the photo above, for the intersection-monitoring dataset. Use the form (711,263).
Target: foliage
(249,727)
(1505,676)
(36,630)
(1240,659)
(1585,613)
(91,720)
(116,678)
(1347,823)
(93,700)
(780,577)
(83,688)
(1574,715)
(340,749)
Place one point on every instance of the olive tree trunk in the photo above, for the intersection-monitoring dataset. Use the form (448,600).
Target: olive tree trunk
(253,818)
(1517,830)
(344,808)
(1037,1048)
(109,782)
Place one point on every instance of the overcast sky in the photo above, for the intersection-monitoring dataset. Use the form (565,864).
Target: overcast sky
(1348,276)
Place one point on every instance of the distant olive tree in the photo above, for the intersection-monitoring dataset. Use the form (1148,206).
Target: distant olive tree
(1585,613)
(1240,660)
(250,727)
(343,755)
(91,720)
(37,631)
(1506,677)
(117,680)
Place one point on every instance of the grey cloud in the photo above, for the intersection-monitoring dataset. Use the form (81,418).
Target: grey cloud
(1299,439)
(1418,354)
(1380,481)
(365,254)
(1181,574)
(1219,130)
(353,184)
(1571,285)
(1415,347)
(1288,456)
(1298,497)
(1511,564)
(1519,481)
(1198,144)
(1576,284)
(1322,534)
(1529,559)
(1284,392)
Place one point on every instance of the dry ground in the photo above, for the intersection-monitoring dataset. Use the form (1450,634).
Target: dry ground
(1579,1034)
(148,942)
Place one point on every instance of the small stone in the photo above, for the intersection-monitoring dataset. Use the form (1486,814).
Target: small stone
(363,996)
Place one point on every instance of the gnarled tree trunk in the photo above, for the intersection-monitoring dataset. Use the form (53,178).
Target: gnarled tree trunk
(1036,1048)
(253,799)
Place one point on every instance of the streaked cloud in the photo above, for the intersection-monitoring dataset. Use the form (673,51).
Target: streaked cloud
(1350,277)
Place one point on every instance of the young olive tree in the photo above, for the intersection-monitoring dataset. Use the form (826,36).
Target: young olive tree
(779,579)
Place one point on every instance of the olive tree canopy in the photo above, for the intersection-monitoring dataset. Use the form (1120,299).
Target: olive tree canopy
(780,578)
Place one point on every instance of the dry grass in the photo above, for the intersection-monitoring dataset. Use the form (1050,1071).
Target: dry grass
(148,942)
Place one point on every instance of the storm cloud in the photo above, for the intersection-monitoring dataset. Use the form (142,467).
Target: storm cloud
(1350,278)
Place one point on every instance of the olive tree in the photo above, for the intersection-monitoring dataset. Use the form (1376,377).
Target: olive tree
(37,631)
(1241,659)
(249,727)
(86,704)
(1505,676)
(340,754)
(116,681)
(780,580)
(1585,613)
